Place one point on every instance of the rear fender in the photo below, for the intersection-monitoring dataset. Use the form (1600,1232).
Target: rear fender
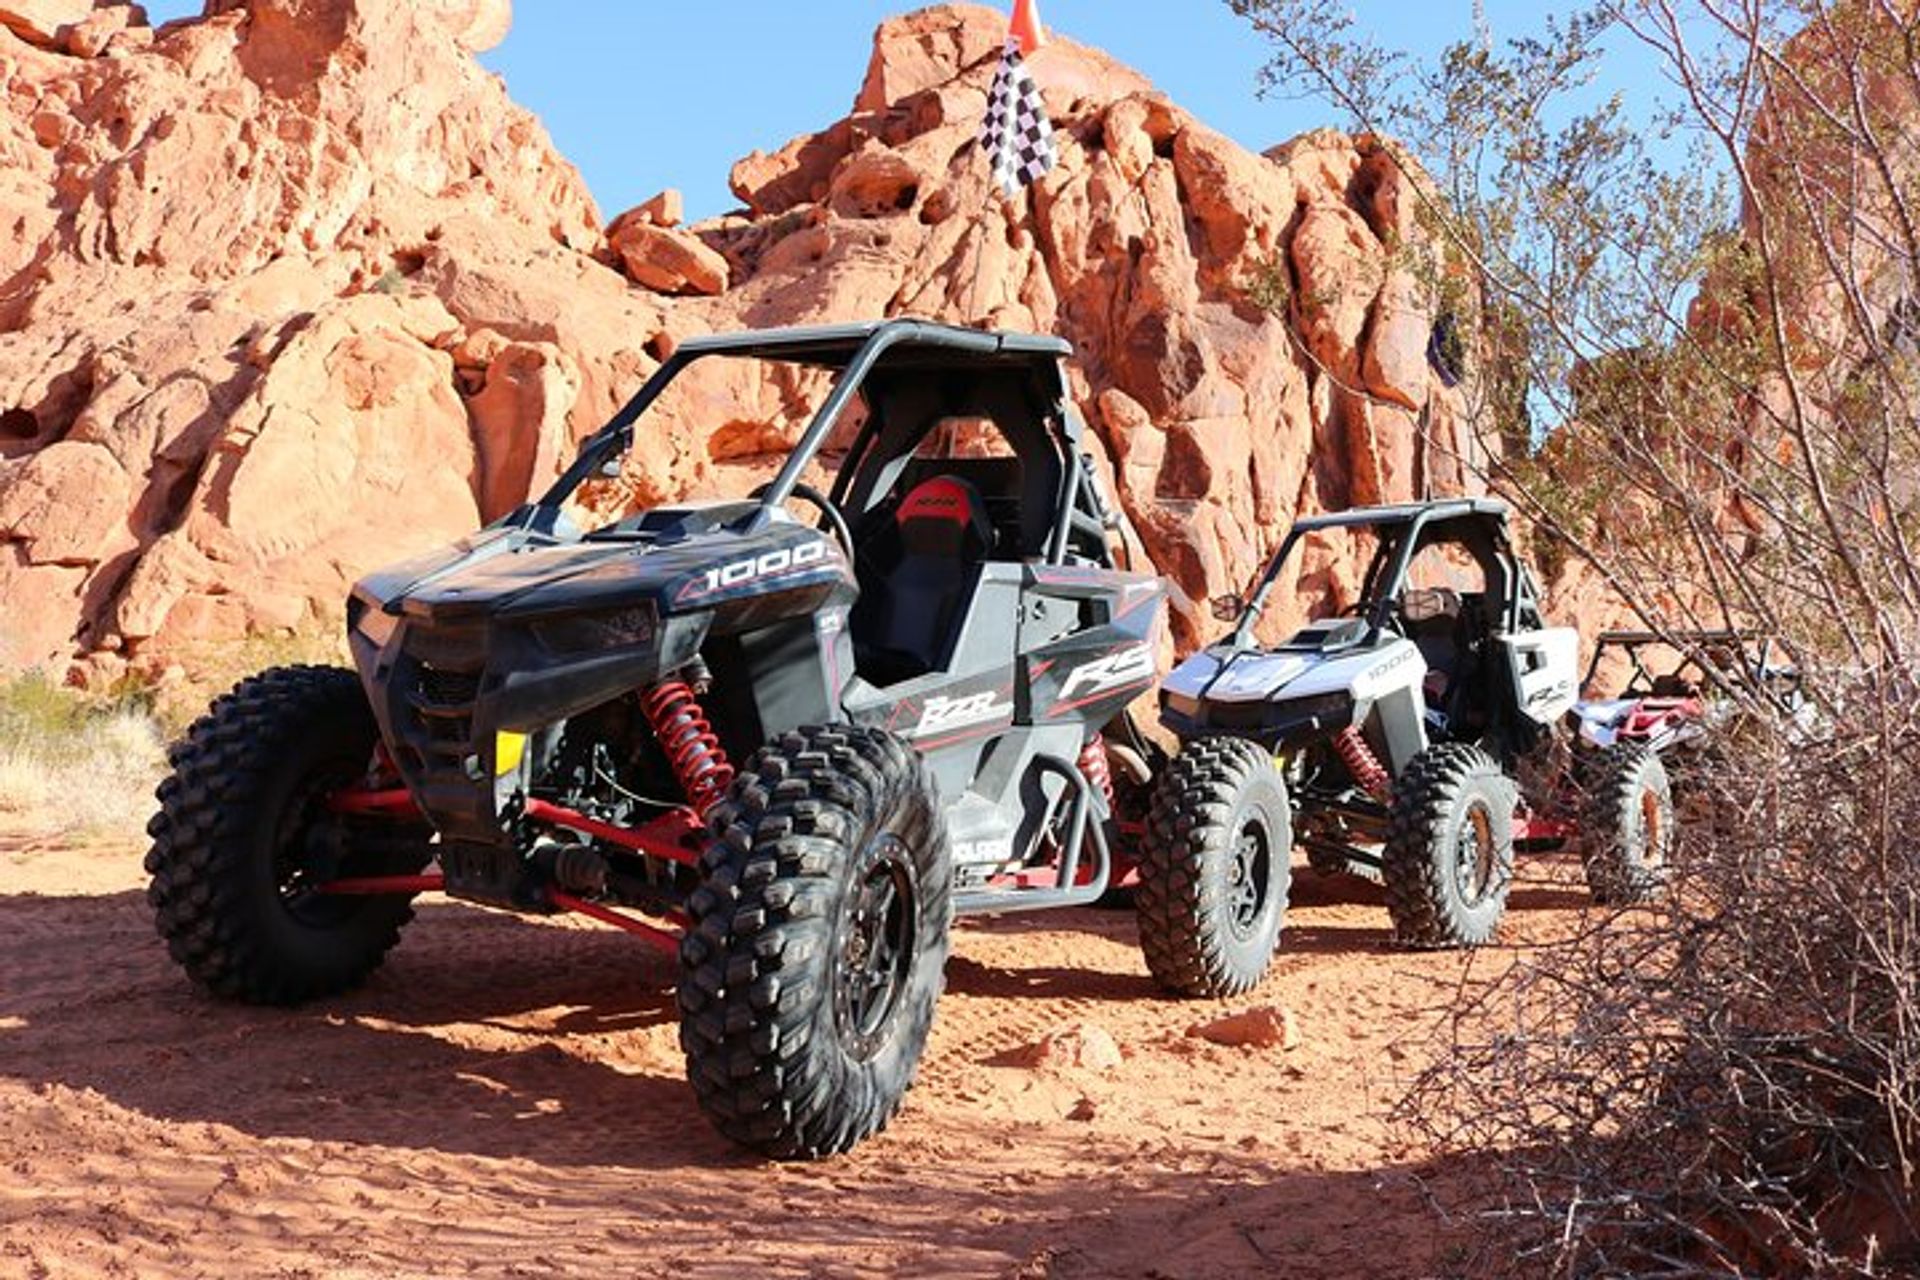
(1089,675)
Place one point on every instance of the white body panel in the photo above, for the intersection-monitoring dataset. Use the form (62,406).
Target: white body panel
(1545,666)
(1254,676)
(1249,677)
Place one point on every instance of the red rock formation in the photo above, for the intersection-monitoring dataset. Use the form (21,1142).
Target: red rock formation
(1160,248)
(310,293)
(42,21)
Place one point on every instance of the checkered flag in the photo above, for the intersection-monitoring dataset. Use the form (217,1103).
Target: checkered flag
(1016,135)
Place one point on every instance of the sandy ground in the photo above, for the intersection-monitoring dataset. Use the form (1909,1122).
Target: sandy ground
(505,1099)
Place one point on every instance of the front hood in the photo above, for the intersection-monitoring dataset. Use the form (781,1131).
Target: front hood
(388,584)
(1225,675)
(517,573)
(508,578)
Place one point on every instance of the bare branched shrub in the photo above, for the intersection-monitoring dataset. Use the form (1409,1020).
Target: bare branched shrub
(1705,313)
(1728,1083)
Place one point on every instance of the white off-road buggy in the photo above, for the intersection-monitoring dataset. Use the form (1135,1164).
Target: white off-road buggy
(1415,737)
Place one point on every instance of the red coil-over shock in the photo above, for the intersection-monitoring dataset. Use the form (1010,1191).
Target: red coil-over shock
(699,762)
(1093,763)
(1363,764)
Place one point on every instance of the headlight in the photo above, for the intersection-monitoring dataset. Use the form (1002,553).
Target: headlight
(1183,703)
(628,628)
(1327,708)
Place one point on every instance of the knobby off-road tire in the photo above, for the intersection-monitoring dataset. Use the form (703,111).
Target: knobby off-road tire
(1628,830)
(817,942)
(1448,860)
(1215,869)
(243,834)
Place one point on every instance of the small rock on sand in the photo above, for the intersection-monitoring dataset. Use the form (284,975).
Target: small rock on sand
(1261,1027)
(1081,1044)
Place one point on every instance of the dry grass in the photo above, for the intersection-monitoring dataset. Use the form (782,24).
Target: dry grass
(76,763)
(86,763)
(213,668)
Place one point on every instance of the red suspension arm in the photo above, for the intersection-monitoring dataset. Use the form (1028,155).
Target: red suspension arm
(661,938)
(395,802)
(649,839)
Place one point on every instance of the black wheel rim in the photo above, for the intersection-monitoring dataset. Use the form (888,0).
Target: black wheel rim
(878,935)
(313,846)
(1249,873)
(303,856)
(1474,854)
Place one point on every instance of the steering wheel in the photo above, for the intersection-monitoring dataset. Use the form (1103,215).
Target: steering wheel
(829,514)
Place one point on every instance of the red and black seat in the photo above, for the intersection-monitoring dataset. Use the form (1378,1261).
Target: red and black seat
(917,573)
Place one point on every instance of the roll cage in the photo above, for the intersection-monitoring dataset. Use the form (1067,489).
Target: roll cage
(1477,525)
(1763,661)
(915,374)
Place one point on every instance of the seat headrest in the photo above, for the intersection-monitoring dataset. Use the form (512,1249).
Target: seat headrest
(1427,604)
(944,515)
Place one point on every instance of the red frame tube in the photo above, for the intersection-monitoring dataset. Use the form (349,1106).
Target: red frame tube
(661,938)
(392,802)
(664,939)
(660,838)
(386,884)
(1544,829)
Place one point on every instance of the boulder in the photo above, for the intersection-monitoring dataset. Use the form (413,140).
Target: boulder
(520,423)
(796,174)
(65,504)
(475,25)
(1395,365)
(89,37)
(666,209)
(39,21)
(873,182)
(669,261)
(1340,267)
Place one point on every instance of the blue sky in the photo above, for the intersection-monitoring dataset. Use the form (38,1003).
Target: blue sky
(645,94)
(654,94)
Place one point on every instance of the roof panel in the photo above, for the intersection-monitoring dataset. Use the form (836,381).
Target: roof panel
(1406,513)
(835,346)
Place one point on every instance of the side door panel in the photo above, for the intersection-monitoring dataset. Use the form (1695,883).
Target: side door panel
(1544,666)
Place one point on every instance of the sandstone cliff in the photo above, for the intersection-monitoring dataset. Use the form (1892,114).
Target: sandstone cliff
(294,289)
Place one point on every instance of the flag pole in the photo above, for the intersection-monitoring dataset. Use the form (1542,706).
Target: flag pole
(1016,134)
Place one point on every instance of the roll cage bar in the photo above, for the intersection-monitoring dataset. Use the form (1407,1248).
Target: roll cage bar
(856,352)
(1478,524)
(1690,645)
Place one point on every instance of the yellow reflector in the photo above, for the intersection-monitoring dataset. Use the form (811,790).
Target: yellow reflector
(508,750)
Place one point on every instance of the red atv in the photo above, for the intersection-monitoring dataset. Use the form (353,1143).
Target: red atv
(1675,708)
(1675,705)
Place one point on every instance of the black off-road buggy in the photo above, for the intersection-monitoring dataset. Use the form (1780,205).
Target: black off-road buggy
(789,753)
(1416,738)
